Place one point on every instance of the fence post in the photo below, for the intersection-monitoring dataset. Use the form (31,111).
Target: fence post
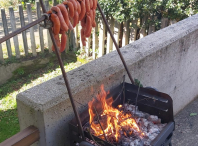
(32,37)
(164,22)
(172,22)
(76,37)
(152,26)
(15,38)
(133,31)
(67,43)
(38,10)
(109,40)
(1,53)
(87,47)
(81,45)
(72,40)
(5,27)
(116,33)
(49,41)
(95,40)
(25,44)
(102,38)
(126,33)
(143,28)
(54,2)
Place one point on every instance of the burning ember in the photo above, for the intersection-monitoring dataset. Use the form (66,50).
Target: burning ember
(124,125)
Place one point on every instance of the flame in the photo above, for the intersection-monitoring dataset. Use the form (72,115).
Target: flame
(113,121)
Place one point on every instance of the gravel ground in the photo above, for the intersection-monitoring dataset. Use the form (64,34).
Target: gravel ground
(186,126)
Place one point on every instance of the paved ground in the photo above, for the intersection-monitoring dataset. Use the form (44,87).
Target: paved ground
(186,132)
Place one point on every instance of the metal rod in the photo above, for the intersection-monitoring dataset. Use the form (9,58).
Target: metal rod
(137,98)
(22,29)
(116,45)
(65,77)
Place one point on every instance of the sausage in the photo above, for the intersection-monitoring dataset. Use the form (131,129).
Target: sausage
(95,4)
(94,16)
(83,10)
(91,15)
(75,19)
(64,26)
(88,26)
(64,13)
(83,22)
(56,22)
(70,25)
(71,8)
(74,4)
(91,4)
(63,41)
(56,37)
(78,7)
(87,4)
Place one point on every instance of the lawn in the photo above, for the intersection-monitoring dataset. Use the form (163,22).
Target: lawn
(9,124)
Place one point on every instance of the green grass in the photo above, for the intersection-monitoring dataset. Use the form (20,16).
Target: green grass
(9,124)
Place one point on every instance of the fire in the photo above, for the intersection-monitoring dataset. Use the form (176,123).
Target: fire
(113,121)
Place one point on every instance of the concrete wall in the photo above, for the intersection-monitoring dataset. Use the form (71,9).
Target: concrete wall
(6,71)
(166,59)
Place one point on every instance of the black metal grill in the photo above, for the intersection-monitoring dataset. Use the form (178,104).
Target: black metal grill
(149,101)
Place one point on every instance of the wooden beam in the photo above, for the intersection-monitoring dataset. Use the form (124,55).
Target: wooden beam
(24,138)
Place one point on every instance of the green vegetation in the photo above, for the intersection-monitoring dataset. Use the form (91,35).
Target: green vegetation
(123,10)
(23,79)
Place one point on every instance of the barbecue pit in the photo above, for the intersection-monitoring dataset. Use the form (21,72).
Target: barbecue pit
(148,101)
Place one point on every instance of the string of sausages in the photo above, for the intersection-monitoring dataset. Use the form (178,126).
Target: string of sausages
(67,15)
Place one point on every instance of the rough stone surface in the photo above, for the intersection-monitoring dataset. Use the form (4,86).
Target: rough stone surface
(186,127)
(6,72)
(166,60)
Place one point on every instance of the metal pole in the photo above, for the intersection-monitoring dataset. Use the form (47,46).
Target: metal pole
(116,45)
(64,76)
(22,29)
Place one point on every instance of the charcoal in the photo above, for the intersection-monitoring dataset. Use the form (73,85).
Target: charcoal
(161,126)
(139,114)
(131,108)
(147,143)
(132,144)
(136,142)
(154,119)
(153,136)
(154,130)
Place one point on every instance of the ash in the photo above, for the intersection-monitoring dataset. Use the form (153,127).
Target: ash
(150,126)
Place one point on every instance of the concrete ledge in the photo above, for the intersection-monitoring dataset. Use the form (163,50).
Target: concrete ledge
(166,59)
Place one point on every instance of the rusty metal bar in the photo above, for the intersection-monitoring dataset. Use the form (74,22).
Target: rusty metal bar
(22,29)
(65,77)
(116,45)
(24,138)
